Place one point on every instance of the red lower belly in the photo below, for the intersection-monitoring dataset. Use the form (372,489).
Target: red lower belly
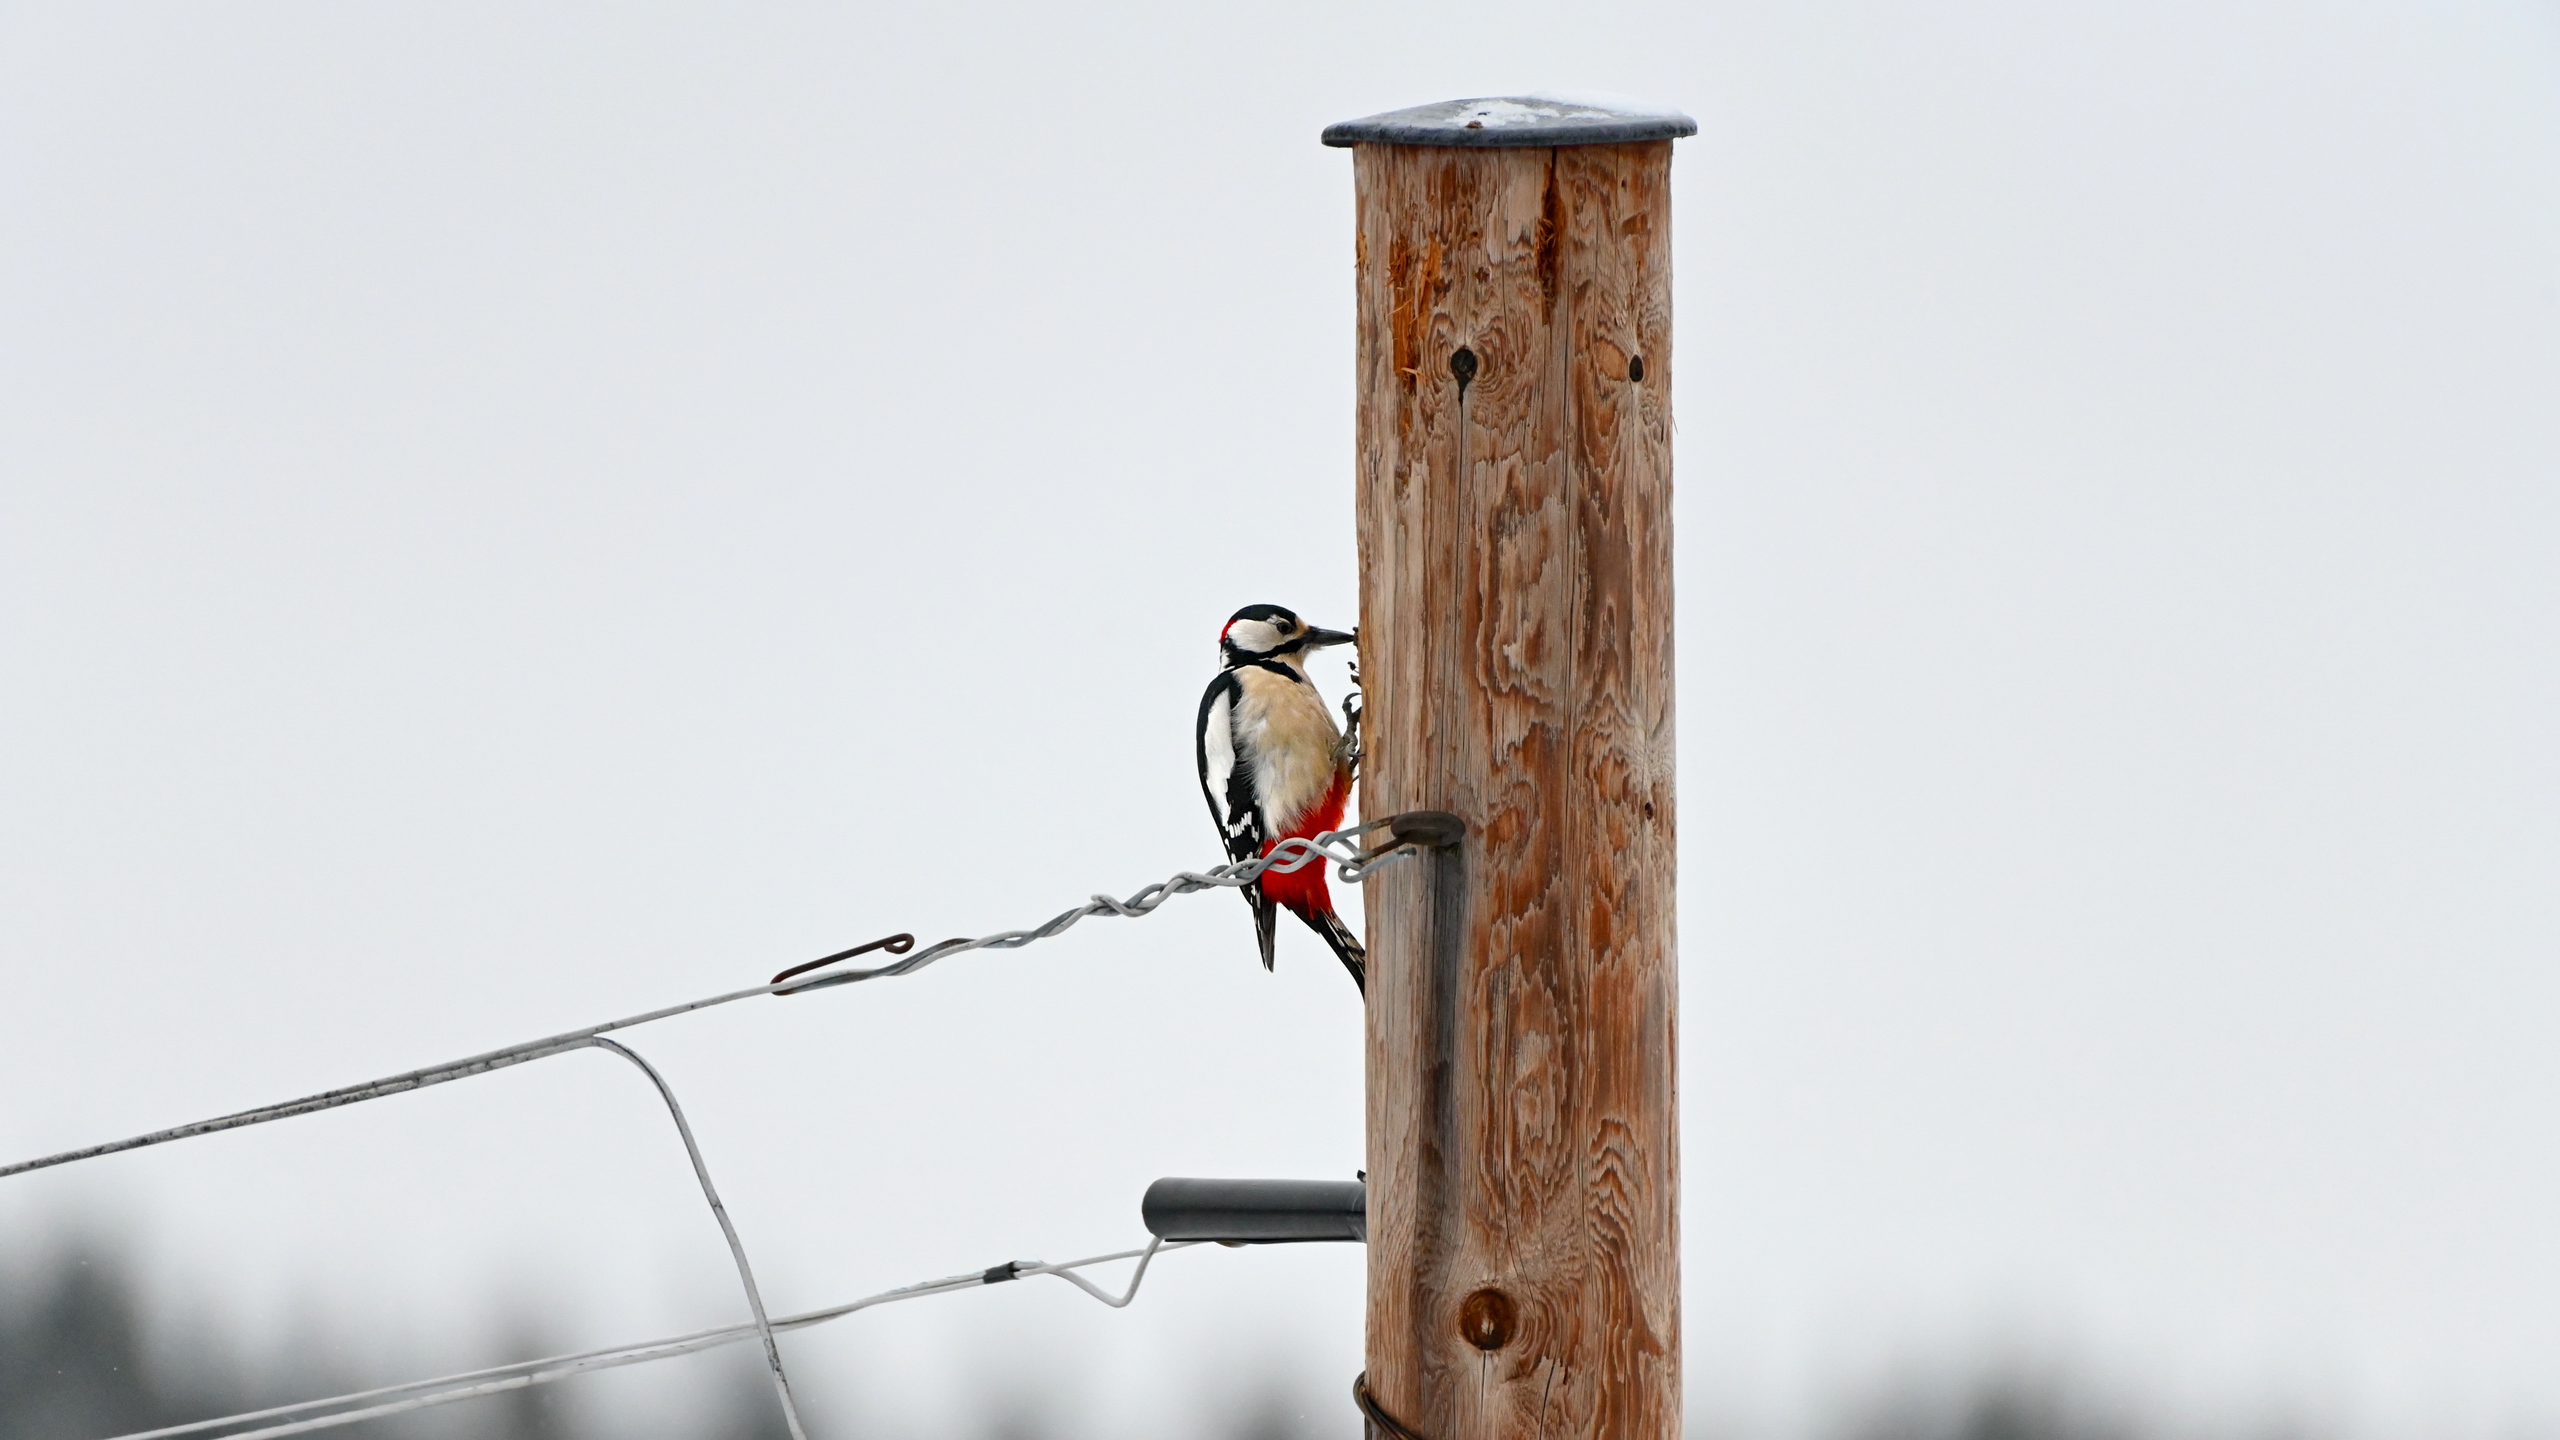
(1304,888)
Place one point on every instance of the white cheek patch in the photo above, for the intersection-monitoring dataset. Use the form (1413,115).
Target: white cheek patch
(1254,637)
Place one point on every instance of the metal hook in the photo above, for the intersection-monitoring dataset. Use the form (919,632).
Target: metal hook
(1411,830)
(898,944)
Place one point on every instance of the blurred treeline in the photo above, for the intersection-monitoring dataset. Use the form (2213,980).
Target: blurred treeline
(84,1357)
(81,1359)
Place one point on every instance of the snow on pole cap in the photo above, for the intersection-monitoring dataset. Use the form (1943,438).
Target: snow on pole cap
(1548,118)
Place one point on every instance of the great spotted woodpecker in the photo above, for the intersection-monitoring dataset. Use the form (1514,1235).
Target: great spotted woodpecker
(1275,768)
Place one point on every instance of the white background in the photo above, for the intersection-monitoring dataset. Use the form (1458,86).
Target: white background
(515,514)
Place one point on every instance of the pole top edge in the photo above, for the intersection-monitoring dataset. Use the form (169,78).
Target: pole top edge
(1547,118)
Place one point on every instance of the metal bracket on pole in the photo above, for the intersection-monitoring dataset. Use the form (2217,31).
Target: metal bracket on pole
(1430,829)
(1256,1212)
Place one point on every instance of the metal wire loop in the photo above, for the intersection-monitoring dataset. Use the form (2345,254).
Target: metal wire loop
(898,944)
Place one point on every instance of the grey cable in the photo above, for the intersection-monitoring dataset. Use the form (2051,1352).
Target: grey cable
(760,1326)
(471,1384)
(728,1231)
(1354,865)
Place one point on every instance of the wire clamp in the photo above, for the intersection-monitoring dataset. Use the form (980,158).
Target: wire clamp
(1388,1425)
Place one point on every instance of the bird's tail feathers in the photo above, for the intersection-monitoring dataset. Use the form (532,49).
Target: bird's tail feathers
(1346,946)
(1266,924)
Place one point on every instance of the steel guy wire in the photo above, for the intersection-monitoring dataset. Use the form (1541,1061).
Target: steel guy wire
(497,1379)
(728,1232)
(1339,846)
(761,1326)
(1353,865)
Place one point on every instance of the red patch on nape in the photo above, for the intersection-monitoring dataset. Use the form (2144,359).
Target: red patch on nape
(1304,889)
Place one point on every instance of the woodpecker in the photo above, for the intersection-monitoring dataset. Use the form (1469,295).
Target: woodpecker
(1274,768)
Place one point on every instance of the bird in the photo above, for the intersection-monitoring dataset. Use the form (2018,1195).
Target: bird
(1274,767)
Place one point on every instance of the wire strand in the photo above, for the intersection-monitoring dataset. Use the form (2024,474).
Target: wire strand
(497,1379)
(1353,864)
(1339,846)
(728,1232)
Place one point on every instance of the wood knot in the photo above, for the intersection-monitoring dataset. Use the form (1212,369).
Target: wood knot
(1462,363)
(1487,1319)
(1635,368)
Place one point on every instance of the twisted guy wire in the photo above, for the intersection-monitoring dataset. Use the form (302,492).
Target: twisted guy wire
(1339,846)
(1354,865)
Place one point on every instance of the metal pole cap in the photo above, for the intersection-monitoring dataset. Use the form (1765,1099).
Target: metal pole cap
(1557,118)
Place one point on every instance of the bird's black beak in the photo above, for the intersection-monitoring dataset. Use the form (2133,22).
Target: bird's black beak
(1320,639)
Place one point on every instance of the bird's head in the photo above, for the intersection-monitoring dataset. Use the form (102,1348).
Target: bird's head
(1270,632)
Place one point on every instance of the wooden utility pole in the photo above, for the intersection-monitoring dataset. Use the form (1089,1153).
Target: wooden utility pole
(1515,657)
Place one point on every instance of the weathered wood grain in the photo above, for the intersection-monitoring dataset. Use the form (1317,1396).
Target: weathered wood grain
(1516,656)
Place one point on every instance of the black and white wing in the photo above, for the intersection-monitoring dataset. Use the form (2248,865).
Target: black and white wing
(1226,780)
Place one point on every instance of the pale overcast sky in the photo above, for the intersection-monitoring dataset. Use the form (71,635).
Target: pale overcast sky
(514,514)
